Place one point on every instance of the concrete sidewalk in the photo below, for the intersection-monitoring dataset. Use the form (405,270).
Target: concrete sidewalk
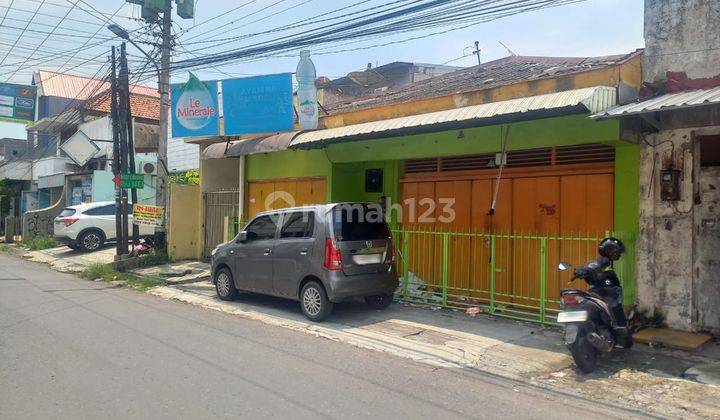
(439,338)
(643,377)
(67,260)
(70,261)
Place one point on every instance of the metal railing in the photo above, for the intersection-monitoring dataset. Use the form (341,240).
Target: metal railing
(507,274)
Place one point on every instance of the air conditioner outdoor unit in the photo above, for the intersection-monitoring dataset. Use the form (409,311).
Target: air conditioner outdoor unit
(148,168)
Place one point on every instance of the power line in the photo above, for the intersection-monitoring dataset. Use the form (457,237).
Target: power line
(101,27)
(6,13)
(73,106)
(305,22)
(415,17)
(65,17)
(217,16)
(17,9)
(43,41)
(21,33)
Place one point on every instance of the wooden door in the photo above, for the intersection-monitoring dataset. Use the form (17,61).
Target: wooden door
(281,193)
(530,205)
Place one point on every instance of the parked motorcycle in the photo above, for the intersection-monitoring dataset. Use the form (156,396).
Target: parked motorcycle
(594,320)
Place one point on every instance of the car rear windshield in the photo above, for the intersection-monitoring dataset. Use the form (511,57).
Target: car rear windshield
(67,213)
(359,222)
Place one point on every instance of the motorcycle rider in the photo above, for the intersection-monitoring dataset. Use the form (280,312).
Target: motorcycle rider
(603,281)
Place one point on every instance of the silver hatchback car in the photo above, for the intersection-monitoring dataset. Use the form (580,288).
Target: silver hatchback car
(318,255)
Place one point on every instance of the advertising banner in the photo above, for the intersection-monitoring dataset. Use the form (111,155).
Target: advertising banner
(261,104)
(147,215)
(17,102)
(195,111)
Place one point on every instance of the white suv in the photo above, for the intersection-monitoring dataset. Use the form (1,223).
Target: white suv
(88,226)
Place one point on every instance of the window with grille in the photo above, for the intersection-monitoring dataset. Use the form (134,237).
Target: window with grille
(547,156)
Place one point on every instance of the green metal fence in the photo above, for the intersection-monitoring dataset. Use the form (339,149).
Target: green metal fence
(508,274)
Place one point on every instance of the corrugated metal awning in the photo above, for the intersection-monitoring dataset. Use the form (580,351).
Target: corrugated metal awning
(667,102)
(249,146)
(593,99)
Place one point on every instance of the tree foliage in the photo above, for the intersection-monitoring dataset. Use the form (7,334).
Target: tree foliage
(191,177)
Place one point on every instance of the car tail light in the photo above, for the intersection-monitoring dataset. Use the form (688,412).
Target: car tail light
(333,257)
(571,300)
(67,221)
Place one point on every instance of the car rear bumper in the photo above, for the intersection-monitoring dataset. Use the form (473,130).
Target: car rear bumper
(343,287)
(64,239)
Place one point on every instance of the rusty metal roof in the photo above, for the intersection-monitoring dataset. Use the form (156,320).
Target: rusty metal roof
(667,102)
(79,87)
(593,99)
(249,146)
(505,71)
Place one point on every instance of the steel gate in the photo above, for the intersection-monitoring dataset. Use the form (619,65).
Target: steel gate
(221,208)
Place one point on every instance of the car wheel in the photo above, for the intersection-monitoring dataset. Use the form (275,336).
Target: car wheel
(379,301)
(224,285)
(314,302)
(91,240)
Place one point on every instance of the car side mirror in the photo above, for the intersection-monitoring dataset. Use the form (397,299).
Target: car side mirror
(563,266)
(242,237)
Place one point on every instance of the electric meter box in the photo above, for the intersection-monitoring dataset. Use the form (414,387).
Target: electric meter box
(670,185)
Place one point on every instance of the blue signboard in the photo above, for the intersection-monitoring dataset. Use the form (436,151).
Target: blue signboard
(17,102)
(194,108)
(261,104)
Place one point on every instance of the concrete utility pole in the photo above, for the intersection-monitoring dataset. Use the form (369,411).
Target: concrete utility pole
(164,87)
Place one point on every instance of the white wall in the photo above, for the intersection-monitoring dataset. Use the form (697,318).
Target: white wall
(681,36)
(20,170)
(49,166)
(182,156)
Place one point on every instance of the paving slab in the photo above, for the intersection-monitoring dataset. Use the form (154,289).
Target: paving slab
(70,261)
(177,272)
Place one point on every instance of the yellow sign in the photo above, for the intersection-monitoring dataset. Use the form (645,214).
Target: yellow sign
(148,215)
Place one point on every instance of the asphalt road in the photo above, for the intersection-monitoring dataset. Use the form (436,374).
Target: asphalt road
(75,349)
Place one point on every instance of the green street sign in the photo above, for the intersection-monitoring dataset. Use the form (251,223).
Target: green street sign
(136,181)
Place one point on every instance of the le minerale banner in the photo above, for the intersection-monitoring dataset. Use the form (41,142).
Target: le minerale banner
(195,110)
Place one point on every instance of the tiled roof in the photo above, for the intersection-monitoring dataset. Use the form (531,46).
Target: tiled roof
(142,106)
(74,86)
(496,73)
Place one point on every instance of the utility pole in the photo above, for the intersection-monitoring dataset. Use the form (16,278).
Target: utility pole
(127,121)
(164,87)
(116,154)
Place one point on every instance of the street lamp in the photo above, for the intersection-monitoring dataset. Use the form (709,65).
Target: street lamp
(123,33)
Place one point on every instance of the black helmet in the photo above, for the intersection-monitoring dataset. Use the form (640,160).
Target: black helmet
(612,248)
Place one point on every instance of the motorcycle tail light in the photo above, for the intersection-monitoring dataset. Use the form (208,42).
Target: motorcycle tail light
(572,300)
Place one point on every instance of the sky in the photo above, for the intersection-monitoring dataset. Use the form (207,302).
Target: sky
(587,28)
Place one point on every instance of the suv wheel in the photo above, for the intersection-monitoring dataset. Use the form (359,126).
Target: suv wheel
(314,302)
(379,301)
(224,285)
(91,240)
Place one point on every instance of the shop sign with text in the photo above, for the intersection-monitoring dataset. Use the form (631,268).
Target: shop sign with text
(195,110)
